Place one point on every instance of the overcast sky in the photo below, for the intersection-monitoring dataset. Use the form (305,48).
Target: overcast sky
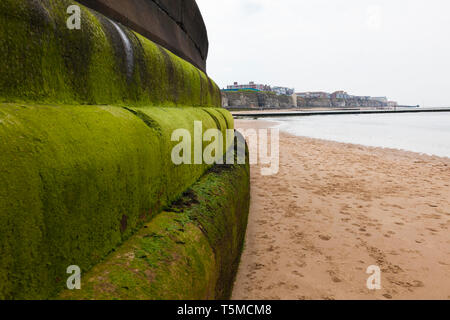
(394,48)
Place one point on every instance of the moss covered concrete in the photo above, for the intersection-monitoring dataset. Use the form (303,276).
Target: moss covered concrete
(45,62)
(85,145)
(190,251)
(76,181)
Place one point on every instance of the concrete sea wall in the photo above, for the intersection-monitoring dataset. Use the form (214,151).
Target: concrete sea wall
(190,251)
(86,118)
(175,24)
(44,61)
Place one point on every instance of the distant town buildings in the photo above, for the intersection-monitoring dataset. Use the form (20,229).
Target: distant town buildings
(283,91)
(392,104)
(342,95)
(250,86)
(312,95)
(262,87)
(380,99)
(318,98)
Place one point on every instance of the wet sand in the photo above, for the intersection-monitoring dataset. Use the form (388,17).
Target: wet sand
(335,209)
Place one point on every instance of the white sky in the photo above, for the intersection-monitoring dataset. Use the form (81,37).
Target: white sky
(394,48)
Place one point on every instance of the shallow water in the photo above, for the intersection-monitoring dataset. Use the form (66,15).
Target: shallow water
(427,133)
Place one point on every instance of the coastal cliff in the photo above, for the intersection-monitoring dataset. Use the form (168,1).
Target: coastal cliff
(338,103)
(256,100)
(247,99)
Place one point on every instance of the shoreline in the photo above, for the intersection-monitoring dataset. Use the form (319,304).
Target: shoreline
(335,209)
(306,113)
(270,123)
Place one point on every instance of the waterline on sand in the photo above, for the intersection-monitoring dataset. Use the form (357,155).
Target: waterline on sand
(422,133)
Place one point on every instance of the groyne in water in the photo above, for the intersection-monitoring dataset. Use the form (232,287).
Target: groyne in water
(257,114)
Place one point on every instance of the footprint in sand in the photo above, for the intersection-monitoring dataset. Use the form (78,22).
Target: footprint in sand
(256,266)
(418,284)
(334,276)
(298,274)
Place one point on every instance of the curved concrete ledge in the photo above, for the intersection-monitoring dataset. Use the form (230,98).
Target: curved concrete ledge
(189,252)
(76,181)
(175,24)
(103,63)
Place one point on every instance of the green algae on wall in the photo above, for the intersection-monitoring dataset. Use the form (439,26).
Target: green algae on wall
(167,118)
(189,252)
(45,62)
(79,180)
(85,146)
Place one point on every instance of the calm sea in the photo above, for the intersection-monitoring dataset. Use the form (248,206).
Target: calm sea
(427,133)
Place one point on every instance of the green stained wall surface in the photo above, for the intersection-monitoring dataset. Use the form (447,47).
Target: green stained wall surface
(85,144)
(48,63)
(189,252)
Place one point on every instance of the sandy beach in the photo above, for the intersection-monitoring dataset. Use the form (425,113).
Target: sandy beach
(335,209)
